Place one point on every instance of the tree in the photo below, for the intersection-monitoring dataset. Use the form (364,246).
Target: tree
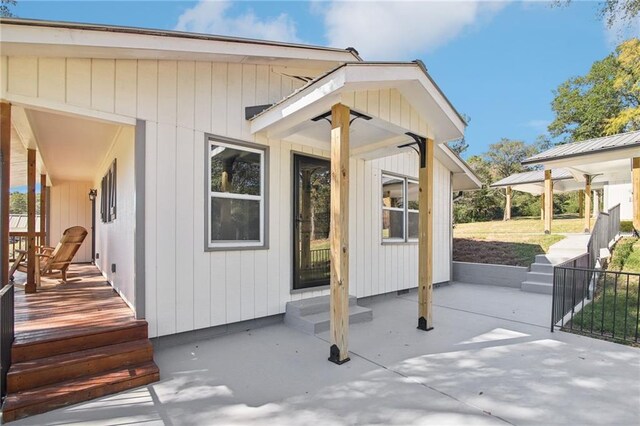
(460,145)
(627,83)
(5,8)
(604,101)
(505,157)
(623,11)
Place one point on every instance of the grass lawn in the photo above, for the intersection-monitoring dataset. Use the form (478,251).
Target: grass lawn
(515,242)
(614,310)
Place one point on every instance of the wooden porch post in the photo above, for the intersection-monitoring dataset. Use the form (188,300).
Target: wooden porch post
(339,319)
(581,203)
(5,176)
(507,207)
(542,206)
(587,204)
(548,201)
(636,194)
(30,286)
(43,209)
(596,203)
(425,238)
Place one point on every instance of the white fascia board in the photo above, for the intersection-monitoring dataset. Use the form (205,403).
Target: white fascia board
(459,167)
(71,38)
(328,86)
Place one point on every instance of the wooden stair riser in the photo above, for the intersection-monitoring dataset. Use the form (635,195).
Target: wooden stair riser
(45,374)
(18,406)
(44,349)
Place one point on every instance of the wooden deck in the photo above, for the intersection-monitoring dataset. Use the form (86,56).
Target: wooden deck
(58,311)
(73,342)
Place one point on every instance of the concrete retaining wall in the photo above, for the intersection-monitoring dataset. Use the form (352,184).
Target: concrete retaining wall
(482,273)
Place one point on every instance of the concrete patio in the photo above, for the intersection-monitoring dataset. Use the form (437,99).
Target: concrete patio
(490,360)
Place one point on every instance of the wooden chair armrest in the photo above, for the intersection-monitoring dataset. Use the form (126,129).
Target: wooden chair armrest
(43,255)
(21,251)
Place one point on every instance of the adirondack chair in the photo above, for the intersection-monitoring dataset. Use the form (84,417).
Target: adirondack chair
(49,259)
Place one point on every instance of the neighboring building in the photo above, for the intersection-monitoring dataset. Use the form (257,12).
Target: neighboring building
(210,156)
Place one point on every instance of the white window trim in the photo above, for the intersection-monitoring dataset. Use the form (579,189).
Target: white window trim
(234,244)
(405,209)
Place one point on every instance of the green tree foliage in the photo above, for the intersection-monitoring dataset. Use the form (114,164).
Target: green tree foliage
(613,11)
(5,8)
(604,101)
(18,203)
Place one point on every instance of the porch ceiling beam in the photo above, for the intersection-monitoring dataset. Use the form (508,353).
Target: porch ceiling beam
(548,201)
(339,244)
(5,187)
(425,235)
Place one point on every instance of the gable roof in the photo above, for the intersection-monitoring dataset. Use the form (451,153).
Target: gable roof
(54,38)
(587,147)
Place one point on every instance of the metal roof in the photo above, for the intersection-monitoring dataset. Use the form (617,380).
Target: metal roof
(534,176)
(590,146)
(18,222)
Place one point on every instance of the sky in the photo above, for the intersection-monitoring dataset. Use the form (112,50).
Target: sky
(498,62)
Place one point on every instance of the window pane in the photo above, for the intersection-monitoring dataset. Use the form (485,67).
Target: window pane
(392,191)
(235,220)
(412,196)
(234,170)
(413,225)
(392,224)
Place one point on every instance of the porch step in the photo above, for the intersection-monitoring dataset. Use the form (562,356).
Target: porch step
(540,277)
(312,315)
(46,398)
(545,268)
(52,344)
(58,368)
(537,287)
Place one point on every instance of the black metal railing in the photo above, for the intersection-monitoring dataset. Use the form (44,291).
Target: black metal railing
(595,302)
(6,334)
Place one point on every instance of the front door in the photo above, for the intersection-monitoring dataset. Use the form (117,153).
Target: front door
(311,214)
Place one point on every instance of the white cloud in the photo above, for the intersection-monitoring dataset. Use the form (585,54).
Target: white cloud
(538,124)
(401,29)
(216,17)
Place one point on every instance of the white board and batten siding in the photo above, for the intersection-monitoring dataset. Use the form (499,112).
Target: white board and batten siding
(70,206)
(186,287)
(114,240)
(619,193)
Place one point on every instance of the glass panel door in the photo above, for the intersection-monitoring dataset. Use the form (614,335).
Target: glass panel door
(311,214)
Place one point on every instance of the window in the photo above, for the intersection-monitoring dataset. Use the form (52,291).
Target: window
(236,205)
(399,208)
(108,195)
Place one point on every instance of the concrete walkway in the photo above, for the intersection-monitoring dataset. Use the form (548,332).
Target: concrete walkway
(491,359)
(572,246)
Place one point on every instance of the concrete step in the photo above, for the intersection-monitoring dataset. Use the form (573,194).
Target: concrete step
(545,268)
(540,277)
(315,318)
(537,287)
(542,259)
(312,305)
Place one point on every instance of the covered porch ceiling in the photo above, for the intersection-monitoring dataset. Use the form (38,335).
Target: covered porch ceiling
(402,99)
(68,147)
(532,182)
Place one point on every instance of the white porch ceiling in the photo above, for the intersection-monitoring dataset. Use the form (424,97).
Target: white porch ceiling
(71,147)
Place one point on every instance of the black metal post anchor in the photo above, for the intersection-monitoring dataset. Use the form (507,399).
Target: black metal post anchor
(334,355)
(422,324)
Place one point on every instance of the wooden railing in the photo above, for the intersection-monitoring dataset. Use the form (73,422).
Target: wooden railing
(18,241)
(6,334)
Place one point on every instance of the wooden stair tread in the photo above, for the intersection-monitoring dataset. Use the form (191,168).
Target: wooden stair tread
(46,398)
(43,336)
(79,356)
